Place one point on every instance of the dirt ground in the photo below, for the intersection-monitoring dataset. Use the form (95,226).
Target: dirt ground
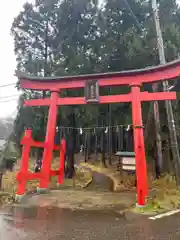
(9,183)
(82,199)
(163,193)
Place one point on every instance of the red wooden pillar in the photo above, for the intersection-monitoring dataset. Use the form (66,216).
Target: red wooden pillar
(21,176)
(141,168)
(49,141)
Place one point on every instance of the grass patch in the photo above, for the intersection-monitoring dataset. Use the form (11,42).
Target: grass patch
(148,209)
(165,192)
(164,195)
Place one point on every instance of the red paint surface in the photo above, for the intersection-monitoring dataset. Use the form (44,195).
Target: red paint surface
(33,143)
(24,164)
(49,140)
(139,148)
(24,175)
(144,96)
(143,76)
(62,161)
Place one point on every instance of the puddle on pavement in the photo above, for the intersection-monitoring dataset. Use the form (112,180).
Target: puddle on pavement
(44,213)
(32,223)
(20,222)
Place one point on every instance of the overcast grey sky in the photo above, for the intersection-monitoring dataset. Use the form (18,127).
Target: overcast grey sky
(9,9)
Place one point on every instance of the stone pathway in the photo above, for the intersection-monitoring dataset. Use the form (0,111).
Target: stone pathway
(109,173)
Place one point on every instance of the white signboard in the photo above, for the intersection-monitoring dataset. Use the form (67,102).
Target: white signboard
(129,163)
(129,167)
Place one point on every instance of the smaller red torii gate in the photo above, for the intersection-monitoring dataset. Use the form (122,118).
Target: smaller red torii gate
(24,175)
(91,83)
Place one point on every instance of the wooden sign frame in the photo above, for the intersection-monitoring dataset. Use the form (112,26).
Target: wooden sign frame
(92,91)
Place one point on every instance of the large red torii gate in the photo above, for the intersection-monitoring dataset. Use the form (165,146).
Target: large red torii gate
(91,83)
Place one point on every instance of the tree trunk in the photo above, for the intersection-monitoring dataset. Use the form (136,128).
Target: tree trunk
(70,165)
(158,159)
(71,144)
(110,133)
(169,111)
(1,178)
(103,147)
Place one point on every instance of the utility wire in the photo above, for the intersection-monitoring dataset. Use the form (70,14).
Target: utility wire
(10,96)
(15,95)
(10,100)
(7,85)
(133,15)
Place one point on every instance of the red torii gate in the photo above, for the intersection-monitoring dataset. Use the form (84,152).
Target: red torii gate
(91,83)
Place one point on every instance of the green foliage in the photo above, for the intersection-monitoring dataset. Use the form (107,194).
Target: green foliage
(77,37)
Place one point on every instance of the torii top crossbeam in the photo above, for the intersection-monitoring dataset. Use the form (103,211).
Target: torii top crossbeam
(132,77)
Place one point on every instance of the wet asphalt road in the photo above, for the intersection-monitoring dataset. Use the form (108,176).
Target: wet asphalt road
(58,224)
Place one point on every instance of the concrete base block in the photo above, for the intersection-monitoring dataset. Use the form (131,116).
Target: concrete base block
(140,206)
(58,185)
(18,198)
(42,190)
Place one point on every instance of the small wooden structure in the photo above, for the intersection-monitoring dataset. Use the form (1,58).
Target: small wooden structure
(127,161)
(126,164)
